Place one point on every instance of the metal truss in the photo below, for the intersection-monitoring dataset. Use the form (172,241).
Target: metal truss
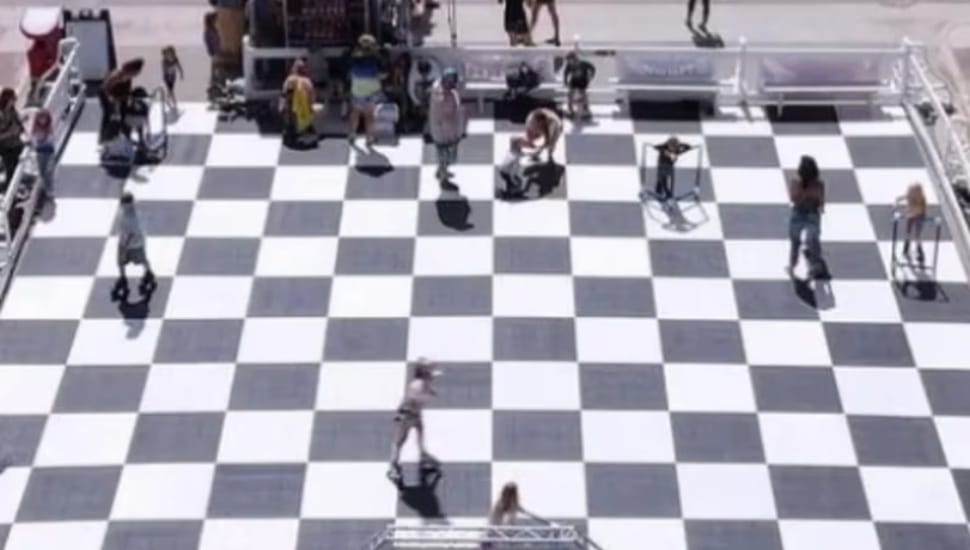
(507,537)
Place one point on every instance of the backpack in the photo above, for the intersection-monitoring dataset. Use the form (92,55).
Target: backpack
(521,79)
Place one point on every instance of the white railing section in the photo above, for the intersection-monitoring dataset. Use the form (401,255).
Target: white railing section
(508,537)
(945,143)
(63,98)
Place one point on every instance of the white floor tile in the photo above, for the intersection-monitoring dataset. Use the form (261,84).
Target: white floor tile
(383,218)
(807,439)
(886,185)
(831,535)
(725,491)
(954,435)
(236,218)
(862,302)
(475,183)
(166,183)
(249,534)
(627,437)
(602,183)
(785,343)
(196,387)
(76,535)
(79,218)
(448,256)
(296,257)
(912,495)
(932,345)
(408,151)
(85,440)
(370,296)
(81,150)
(110,342)
(244,150)
(683,298)
(266,436)
(532,218)
(533,296)
(193,118)
(515,386)
(366,493)
(282,340)
(310,183)
(606,257)
(847,223)
(28,389)
(882,392)
(12,485)
(454,436)
(47,298)
(208,298)
(831,152)
(709,388)
(549,490)
(630,534)
(163,492)
(361,386)
(451,338)
(620,340)
(749,185)
(755,259)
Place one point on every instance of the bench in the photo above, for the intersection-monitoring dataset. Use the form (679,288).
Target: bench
(822,78)
(484,70)
(684,73)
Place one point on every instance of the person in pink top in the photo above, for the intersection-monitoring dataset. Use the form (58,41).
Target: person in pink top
(446,122)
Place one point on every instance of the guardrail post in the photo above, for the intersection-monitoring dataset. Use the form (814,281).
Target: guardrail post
(249,67)
(908,50)
(742,69)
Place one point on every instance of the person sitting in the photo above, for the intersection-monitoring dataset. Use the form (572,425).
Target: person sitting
(512,179)
(545,124)
(298,98)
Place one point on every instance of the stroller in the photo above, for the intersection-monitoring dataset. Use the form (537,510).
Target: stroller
(143,115)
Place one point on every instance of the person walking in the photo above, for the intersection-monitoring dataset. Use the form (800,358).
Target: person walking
(914,202)
(11,132)
(114,96)
(42,140)
(576,75)
(410,416)
(543,123)
(131,245)
(171,72)
(367,72)
(550,5)
(807,194)
(446,122)
(705,14)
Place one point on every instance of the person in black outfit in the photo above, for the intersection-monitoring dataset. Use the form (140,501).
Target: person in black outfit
(705,13)
(516,24)
(667,154)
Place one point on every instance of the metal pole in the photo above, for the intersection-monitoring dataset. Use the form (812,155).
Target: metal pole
(892,254)
(936,244)
(453,22)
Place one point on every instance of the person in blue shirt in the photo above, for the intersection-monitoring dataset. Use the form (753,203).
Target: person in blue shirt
(366,89)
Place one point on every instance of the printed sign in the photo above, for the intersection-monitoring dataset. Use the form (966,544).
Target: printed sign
(667,68)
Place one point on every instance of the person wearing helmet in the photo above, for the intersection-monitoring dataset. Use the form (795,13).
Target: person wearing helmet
(410,415)
(446,122)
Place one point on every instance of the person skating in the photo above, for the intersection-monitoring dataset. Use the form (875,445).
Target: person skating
(667,154)
(171,73)
(131,246)
(446,123)
(410,416)
(705,14)
(915,203)
(807,194)
(577,75)
(544,124)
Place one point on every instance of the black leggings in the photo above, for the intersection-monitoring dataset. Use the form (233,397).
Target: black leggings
(10,157)
(705,7)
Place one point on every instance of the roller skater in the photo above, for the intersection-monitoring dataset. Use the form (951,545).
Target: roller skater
(131,250)
(914,202)
(667,154)
(410,417)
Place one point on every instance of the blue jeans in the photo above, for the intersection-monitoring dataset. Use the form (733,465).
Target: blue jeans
(807,222)
(447,155)
(45,170)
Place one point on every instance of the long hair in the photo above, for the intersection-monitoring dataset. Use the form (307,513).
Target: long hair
(807,170)
(507,504)
(133,67)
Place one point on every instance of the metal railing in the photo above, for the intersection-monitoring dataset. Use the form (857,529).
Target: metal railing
(63,99)
(507,537)
(944,142)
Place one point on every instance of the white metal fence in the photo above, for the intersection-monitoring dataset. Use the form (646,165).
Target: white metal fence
(453,537)
(63,97)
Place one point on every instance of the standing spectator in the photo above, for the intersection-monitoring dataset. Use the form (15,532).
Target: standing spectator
(115,93)
(131,244)
(807,194)
(516,24)
(366,90)
(171,71)
(553,14)
(915,203)
(410,415)
(446,122)
(42,138)
(577,75)
(11,130)
(299,97)
(545,124)
(705,13)
(212,41)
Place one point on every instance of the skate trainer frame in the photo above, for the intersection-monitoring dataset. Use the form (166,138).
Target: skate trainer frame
(509,537)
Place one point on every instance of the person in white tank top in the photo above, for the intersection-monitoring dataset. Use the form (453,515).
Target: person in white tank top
(409,417)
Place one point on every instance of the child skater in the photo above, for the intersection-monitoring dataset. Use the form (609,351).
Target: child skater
(131,246)
(42,137)
(410,416)
(915,203)
(667,154)
(577,75)
(171,71)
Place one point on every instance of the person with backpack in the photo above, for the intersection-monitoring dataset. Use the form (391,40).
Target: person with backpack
(576,75)
(446,122)
(807,194)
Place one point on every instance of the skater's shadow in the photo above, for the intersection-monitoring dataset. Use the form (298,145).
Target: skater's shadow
(677,216)
(923,288)
(454,210)
(372,162)
(704,38)
(545,177)
(818,296)
(421,497)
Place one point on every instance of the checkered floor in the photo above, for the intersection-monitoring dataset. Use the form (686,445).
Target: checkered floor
(661,383)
